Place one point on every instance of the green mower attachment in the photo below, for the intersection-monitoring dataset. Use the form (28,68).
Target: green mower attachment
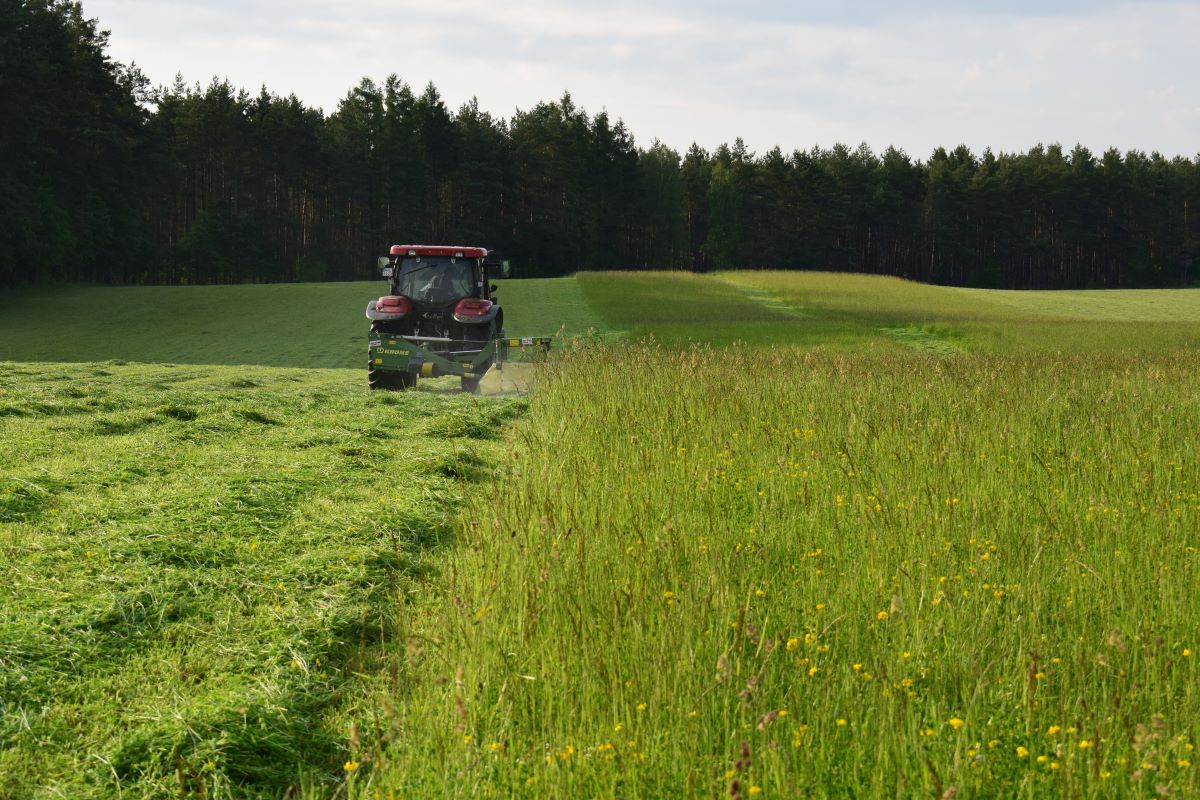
(415,355)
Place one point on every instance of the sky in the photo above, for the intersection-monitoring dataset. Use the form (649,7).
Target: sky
(914,75)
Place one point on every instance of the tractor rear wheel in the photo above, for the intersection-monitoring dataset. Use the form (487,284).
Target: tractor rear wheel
(388,380)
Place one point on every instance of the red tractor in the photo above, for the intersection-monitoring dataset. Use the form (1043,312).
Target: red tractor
(439,318)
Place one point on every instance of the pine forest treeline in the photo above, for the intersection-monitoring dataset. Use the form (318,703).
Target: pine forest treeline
(104,179)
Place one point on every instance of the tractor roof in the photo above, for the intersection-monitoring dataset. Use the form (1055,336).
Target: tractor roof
(445,250)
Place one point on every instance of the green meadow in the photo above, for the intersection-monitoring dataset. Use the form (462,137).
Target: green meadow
(987,321)
(754,534)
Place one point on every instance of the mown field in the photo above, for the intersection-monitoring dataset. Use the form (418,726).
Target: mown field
(200,565)
(760,535)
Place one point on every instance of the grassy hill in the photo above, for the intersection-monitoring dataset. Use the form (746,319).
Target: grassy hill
(322,325)
(848,307)
(284,325)
(856,312)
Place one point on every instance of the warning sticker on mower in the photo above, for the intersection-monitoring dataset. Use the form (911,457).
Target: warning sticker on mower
(374,343)
(526,342)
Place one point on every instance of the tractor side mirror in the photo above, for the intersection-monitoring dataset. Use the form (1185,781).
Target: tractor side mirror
(505,268)
(385,266)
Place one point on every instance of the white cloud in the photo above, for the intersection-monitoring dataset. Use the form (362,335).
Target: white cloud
(916,75)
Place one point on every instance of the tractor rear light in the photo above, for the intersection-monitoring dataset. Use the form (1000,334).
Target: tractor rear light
(472,307)
(393,304)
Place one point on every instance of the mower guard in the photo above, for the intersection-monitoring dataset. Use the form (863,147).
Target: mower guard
(392,353)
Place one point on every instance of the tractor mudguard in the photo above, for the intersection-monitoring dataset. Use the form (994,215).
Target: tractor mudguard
(485,319)
(381,316)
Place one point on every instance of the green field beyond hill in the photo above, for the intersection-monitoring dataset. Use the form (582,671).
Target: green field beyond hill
(759,534)
(321,325)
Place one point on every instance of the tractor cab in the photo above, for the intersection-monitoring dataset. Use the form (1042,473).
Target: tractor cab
(437,280)
(439,276)
(439,292)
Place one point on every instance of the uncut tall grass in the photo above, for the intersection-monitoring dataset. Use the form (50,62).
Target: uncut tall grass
(743,573)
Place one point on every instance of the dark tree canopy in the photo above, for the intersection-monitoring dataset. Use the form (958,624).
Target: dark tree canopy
(102,179)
